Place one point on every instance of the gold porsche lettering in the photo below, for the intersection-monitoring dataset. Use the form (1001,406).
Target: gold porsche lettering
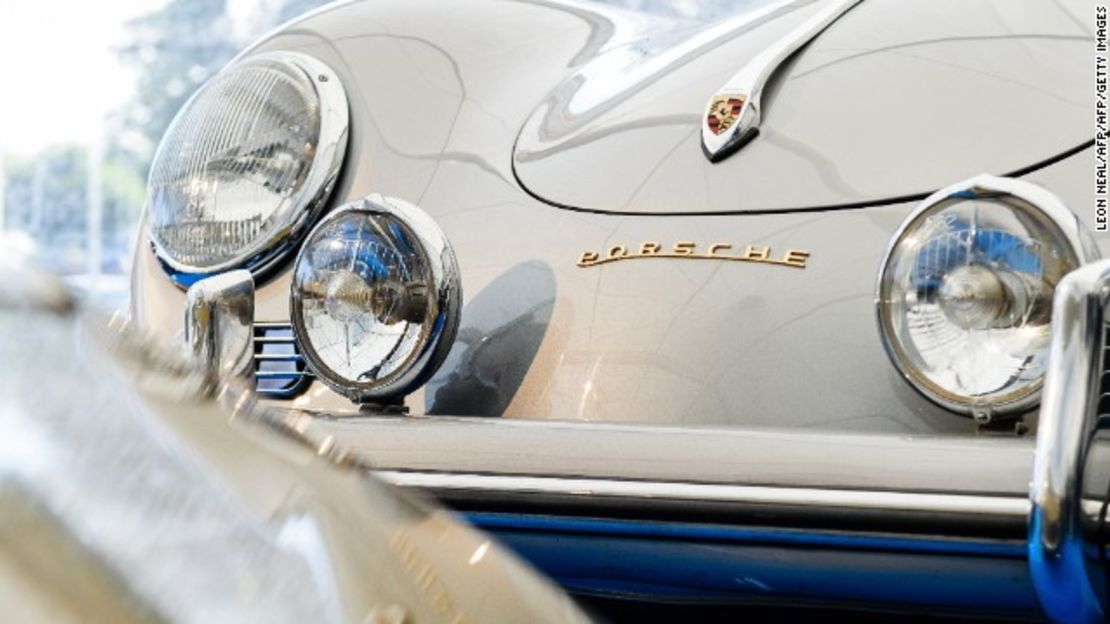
(685,248)
(796,257)
(689,250)
(756,254)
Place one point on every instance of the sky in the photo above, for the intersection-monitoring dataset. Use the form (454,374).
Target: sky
(60,71)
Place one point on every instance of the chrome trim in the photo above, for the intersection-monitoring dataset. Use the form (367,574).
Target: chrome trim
(264,357)
(963,504)
(219,319)
(1066,568)
(262,256)
(1023,195)
(748,83)
(438,331)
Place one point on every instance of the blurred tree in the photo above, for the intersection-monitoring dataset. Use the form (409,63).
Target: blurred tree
(45,196)
(289,9)
(174,48)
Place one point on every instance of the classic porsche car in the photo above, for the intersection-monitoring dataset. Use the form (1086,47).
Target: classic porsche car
(781,300)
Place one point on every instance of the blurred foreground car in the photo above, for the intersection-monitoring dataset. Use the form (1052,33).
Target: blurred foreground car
(672,302)
(132,489)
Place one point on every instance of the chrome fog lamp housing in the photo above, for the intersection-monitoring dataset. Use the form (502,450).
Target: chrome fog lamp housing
(965,292)
(375,299)
(247,165)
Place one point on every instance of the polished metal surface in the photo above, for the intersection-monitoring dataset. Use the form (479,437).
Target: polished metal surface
(219,318)
(262,256)
(1024,195)
(740,122)
(439,323)
(826,500)
(1068,571)
(734,456)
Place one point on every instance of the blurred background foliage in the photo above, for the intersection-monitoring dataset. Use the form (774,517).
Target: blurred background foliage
(77,202)
(53,195)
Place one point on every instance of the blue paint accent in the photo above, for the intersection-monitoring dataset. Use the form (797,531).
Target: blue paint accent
(184,280)
(964,195)
(710,563)
(260,265)
(743,535)
(1062,581)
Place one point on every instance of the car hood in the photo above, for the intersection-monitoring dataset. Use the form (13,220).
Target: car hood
(897,98)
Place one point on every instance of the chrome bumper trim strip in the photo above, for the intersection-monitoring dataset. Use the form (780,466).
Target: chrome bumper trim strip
(961,504)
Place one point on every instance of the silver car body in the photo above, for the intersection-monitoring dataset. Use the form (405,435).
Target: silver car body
(535,131)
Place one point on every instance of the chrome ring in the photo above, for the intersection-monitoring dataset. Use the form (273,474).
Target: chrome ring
(331,149)
(1024,195)
(437,333)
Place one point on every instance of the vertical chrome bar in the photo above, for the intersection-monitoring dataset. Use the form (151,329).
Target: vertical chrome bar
(219,319)
(1064,564)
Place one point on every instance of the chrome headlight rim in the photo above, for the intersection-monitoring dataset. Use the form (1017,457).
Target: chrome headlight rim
(437,334)
(264,255)
(1019,194)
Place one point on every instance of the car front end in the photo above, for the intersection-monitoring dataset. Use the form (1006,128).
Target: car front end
(718,308)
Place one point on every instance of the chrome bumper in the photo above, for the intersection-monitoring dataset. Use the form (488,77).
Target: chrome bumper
(1065,550)
(748,474)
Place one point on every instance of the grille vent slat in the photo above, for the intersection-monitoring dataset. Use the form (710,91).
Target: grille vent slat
(279,370)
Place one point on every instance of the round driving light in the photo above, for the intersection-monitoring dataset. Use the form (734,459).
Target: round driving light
(375,299)
(965,292)
(247,165)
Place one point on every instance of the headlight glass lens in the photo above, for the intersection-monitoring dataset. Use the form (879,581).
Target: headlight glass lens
(375,298)
(246,162)
(965,294)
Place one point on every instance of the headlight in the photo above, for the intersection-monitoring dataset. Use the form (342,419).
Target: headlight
(375,299)
(965,292)
(247,164)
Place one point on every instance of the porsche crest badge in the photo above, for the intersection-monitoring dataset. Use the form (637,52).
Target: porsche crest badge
(723,112)
(732,118)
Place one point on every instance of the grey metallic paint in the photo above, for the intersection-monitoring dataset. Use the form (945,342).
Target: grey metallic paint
(738,380)
(438,94)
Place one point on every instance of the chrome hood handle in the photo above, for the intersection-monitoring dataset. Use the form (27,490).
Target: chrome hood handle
(733,113)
